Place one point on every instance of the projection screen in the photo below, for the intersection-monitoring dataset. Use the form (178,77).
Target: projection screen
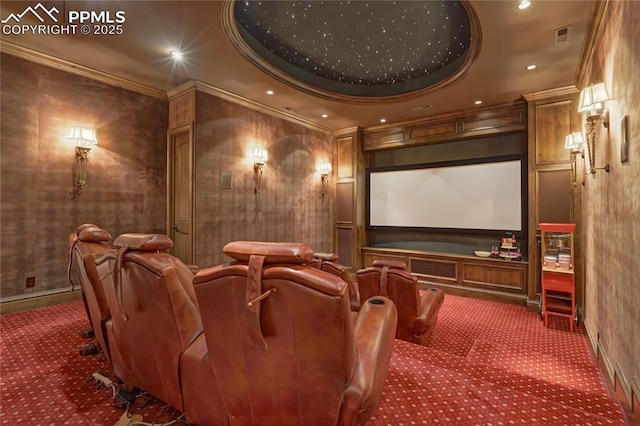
(480,196)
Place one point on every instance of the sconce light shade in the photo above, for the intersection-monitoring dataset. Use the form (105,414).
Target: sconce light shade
(82,137)
(574,142)
(325,169)
(260,155)
(592,97)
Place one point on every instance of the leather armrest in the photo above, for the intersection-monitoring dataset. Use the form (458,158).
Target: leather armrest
(193,268)
(429,308)
(374,330)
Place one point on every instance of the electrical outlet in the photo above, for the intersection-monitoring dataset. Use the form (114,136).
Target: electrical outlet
(30,282)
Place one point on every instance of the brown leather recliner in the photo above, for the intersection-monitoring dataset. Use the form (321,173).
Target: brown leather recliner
(417,315)
(330,262)
(281,341)
(84,244)
(155,320)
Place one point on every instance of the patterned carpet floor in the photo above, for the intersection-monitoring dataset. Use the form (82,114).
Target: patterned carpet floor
(487,364)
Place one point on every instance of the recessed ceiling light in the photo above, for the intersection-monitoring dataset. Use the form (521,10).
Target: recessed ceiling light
(269,92)
(478,102)
(324,116)
(176,54)
(531,67)
(524,4)
(383,120)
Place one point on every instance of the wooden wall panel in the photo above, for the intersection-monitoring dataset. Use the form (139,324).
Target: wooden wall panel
(449,127)
(182,109)
(344,202)
(554,194)
(553,123)
(344,245)
(344,148)
(125,189)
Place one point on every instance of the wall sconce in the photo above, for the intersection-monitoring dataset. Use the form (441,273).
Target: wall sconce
(325,171)
(574,143)
(83,139)
(260,156)
(592,98)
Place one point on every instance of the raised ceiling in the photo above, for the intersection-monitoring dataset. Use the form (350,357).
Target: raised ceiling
(361,49)
(511,39)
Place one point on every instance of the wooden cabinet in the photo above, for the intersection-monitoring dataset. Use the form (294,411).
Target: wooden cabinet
(557,271)
(464,275)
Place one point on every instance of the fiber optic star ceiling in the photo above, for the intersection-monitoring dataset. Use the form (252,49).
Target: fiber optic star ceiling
(357,49)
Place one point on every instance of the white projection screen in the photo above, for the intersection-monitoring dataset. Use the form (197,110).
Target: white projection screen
(480,196)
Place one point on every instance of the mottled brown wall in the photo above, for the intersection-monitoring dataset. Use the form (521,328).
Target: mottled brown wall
(611,201)
(126,188)
(290,206)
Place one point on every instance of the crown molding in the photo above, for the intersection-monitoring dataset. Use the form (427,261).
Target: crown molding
(550,93)
(593,30)
(239,100)
(346,131)
(81,70)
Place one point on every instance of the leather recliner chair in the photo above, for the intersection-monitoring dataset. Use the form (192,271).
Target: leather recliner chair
(417,314)
(330,262)
(84,244)
(281,341)
(155,320)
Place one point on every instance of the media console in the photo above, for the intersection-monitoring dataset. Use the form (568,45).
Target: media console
(460,274)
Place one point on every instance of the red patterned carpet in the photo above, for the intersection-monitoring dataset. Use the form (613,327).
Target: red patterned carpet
(488,364)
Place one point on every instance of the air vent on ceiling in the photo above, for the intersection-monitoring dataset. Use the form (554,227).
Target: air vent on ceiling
(561,35)
(422,107)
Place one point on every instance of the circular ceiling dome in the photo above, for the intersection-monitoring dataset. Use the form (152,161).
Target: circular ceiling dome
(357,51)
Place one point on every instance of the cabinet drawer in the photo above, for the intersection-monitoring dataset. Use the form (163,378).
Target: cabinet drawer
(498,277)
(441,269)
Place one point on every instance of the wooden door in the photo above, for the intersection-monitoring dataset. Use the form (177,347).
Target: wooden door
(180,192)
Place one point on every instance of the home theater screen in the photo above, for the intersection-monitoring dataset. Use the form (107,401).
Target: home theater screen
(484,196)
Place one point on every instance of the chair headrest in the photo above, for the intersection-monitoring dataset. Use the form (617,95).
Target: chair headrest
(296,253)
(92,233)
(331,257)
(396,264)
(83,226)
(144,242)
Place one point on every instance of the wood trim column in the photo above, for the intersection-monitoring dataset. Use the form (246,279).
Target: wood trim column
(350,197)
(552,114)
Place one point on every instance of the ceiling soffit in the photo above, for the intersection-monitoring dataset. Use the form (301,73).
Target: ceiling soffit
(357,52)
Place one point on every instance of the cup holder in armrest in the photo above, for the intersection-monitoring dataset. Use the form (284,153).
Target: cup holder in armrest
(376,301)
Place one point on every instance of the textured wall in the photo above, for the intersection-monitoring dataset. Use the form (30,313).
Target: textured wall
(290,206)
(126,174)
(611,201)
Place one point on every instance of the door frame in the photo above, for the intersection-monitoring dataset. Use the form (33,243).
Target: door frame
(171,136)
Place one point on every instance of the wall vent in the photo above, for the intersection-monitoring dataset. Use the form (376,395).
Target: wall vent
(561,35)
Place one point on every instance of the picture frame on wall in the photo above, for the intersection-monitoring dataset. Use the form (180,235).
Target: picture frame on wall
(624,140)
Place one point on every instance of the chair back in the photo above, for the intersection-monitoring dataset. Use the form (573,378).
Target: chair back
(84,244)
(330,262)
(279,335)
(154,312)
(391,279)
